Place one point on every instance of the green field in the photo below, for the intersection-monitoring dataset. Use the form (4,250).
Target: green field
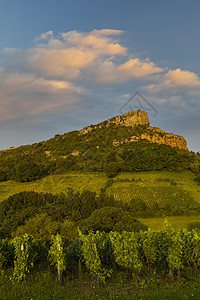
(149,186)
(43,285)
(178,222)
(157,186)
(55,184)
(162,195)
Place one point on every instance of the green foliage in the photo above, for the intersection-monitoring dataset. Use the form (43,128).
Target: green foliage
(191,248)
(112,169)
(193,225)
(197,178)
(40,227)
(6,254)
(57,253)
(24,257)
(172,247)
(166,252)
(138,205)
(3,175)
(68,230)
(17,209)
(125,249)
(111,219)
(149,245)
(92,245)
(27,171)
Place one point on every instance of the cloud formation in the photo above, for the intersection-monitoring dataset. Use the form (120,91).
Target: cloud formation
(25,94)
(138,68)
(176,79)
(76,68)
(44,36)
(73,54)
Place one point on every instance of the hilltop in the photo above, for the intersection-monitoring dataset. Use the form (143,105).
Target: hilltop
(152,134)
(123,143)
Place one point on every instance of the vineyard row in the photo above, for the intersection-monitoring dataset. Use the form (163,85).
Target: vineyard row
(169,251)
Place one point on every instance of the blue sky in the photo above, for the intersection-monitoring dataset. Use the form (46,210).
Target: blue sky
(68,64)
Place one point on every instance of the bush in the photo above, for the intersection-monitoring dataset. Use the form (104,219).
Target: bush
(27,171)
(111,218)
(197,178)
(112,169)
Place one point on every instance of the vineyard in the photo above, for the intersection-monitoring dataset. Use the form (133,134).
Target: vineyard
(169,252)
(162,195)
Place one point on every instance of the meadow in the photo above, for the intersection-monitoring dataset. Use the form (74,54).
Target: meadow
(141,182)
(44,286)
(176,189)
(55,184)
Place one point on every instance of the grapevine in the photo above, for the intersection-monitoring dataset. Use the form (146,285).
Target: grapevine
(126,253)
(92,244)
(24,257)
(149,245)
(57,254)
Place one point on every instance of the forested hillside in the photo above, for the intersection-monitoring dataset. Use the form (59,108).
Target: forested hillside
(94,151)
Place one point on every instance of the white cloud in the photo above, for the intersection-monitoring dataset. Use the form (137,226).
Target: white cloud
(107,32)
(58,71)
(44,36)
(175,79)
(66,56)
(138,68)
(25,95)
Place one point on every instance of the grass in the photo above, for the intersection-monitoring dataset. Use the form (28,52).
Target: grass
(44,286)
(144,182)
(55,184)
(178,222)
(184,181)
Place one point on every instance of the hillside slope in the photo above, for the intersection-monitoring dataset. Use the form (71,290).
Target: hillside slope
(126,142)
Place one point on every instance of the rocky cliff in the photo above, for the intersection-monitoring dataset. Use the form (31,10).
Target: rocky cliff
(131,118)
(152,134)
(156,135)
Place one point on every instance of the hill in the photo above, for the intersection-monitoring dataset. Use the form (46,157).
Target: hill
(122,144)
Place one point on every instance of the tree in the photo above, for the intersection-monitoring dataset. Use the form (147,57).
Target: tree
(40,227)
(27,171)
(112,169)
(111,218)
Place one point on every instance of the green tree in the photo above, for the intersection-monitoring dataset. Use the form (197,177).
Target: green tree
(40,227)
(111,219)
(27,171)
(68,230)
(112,169)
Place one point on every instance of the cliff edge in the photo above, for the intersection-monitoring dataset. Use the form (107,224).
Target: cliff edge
(152,134)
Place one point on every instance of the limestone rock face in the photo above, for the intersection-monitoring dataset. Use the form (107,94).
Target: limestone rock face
(152,134)
(85,130)
(135,118)
(131,118)
(161,137)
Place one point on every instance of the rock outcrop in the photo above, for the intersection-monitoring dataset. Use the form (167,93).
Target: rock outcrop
(152,134)
(131,118)
(158,136)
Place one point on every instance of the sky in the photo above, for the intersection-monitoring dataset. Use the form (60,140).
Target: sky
(68,64)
